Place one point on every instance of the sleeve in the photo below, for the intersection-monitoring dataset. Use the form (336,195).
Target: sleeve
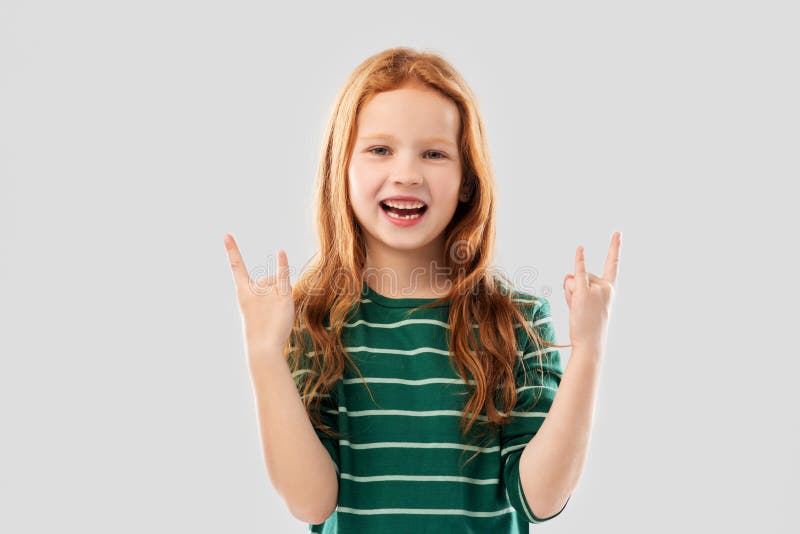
(537,383)
(328,407)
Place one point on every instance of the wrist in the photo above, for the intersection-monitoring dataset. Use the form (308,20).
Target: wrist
(588,351)
(264,355)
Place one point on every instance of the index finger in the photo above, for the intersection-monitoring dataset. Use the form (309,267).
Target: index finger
(240,276)
(612,260)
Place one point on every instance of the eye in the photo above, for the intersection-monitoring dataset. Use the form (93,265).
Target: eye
(436,153)
(371,150)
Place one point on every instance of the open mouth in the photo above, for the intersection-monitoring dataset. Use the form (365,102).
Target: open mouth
(401,210)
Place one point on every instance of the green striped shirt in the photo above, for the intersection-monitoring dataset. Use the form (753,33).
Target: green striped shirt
(402,460)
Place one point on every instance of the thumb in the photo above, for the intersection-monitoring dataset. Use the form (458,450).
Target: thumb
(569,283)
(569,288)
(284,283)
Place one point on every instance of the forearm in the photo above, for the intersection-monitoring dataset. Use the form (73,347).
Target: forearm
(299,466)
(553,460)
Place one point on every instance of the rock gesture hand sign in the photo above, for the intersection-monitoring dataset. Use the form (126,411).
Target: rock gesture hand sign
(590,298)
(266,305)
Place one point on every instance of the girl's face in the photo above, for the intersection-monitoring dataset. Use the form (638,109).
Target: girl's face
(406,145)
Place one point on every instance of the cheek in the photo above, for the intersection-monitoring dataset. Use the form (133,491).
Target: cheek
(362,190)
(445,189)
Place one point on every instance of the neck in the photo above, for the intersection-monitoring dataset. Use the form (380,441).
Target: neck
(418,273)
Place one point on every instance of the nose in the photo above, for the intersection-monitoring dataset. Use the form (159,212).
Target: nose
(407,171)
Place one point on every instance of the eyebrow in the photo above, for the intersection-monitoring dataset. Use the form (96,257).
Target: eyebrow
(443,140)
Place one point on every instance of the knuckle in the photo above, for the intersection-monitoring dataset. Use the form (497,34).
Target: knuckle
(262,287)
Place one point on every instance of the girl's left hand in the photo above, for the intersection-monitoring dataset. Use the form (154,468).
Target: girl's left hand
(589,298)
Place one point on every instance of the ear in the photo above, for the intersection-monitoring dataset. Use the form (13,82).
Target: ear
(467,187)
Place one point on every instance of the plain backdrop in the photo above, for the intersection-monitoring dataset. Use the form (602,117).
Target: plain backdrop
(134,135)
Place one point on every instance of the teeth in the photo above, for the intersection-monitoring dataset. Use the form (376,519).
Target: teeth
(395,216)
(404,204)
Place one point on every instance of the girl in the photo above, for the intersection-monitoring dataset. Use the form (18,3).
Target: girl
(401,352)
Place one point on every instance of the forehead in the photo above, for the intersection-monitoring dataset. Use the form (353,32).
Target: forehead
(409,111)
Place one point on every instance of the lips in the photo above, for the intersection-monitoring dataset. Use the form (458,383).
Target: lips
(396,208)
(404,221)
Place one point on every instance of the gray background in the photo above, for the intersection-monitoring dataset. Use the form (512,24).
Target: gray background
(133,135)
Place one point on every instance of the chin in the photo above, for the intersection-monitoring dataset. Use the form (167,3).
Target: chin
(407,242)
(407,245)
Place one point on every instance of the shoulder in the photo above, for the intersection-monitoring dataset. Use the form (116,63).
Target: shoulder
(535,310)
(532,306)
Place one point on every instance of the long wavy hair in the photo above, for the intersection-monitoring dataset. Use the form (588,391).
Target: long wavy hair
(327,292)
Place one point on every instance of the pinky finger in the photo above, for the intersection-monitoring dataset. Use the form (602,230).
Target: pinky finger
(581,277)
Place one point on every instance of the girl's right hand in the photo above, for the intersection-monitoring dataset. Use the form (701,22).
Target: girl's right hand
(266,305)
